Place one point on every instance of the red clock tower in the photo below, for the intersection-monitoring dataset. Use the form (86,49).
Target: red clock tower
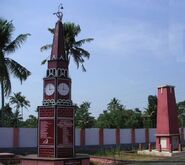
(56,115)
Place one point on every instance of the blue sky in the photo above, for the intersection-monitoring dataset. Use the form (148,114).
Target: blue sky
(138,45)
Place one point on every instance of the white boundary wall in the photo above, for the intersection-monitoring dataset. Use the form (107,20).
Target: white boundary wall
(109,136)
(6,136)
(152,133)
(140,135)
(92,136)
(125,136)
(77,136)
(27,137)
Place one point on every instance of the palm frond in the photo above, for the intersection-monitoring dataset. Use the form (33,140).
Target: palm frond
(17,70)
(71,28)
(44,61)
(83,41)
(16,43)
(4,75)
(7,85)
(83,52)
(46,47)
(75,56)
(51,30)
(78,59)
(6,29)
(83,68)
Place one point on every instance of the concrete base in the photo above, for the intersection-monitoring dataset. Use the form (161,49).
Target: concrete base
(162,153)
(35,160)
(9,158)
(7,155)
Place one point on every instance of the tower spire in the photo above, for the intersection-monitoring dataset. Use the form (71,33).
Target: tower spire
(59,13)
(58,50)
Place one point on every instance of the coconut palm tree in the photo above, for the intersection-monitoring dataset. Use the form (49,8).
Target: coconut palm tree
(16,118)
(20,102)
(9,66)
(73,48)
(115,105)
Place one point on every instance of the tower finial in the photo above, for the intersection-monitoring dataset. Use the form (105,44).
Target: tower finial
(59,13)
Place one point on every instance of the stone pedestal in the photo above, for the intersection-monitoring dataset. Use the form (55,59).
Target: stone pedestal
(167,132)
(56,131)
(35,160)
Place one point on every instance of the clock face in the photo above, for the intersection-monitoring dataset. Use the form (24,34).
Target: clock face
(49,89)
(63,89)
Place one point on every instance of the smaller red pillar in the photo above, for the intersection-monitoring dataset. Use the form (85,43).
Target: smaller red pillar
(101,136)
(167,132)
(150,147)
(117,136)
(16,137)
(82,137)
(147,135)
(133,136)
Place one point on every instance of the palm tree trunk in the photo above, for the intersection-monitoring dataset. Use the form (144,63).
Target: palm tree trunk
(2,102)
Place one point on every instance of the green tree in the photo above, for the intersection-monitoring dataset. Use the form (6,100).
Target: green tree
(150,114)
(16,118)
(104,120)
(117,116)
(83,118)
(8,116)
(20,102)
(113,117)
(9,66)
(31,122)
(114,105)
(181,113)
(134,118)
(73,48)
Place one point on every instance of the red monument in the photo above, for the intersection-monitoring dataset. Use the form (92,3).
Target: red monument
(56,116)
(167,132)
(56,127)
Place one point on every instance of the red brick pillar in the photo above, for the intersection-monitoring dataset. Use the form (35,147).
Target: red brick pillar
(146,135)
(82,136)
(15,137)
(101,136)
(117,136)
(133,136)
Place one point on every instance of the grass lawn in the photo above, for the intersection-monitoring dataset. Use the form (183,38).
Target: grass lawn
(132,158)
(126,155)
